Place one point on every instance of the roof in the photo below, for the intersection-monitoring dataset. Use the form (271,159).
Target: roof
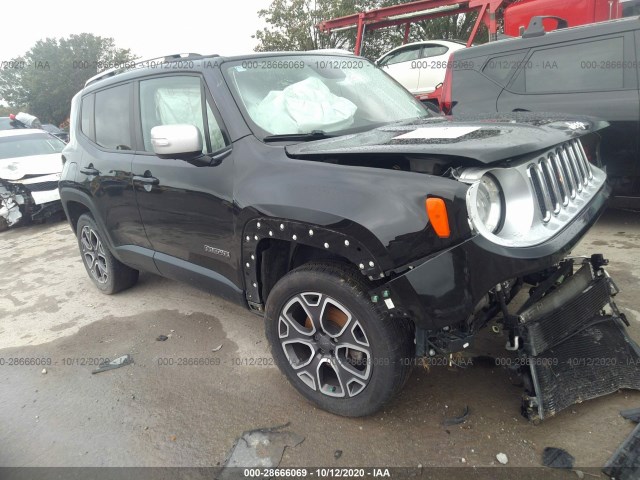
(195,62)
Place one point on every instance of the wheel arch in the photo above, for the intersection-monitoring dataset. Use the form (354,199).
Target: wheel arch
(273,247)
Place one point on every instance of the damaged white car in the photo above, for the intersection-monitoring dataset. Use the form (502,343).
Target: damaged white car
(30,166)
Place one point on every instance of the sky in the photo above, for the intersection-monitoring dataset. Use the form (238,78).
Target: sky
(150,29)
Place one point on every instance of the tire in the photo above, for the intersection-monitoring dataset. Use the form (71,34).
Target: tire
(106,272)
(330,342)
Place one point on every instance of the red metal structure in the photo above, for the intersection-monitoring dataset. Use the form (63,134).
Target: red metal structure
(409,13)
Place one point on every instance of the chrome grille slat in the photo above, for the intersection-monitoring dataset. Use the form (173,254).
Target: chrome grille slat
(583,155)
(559,177)
(582,169)
(574,166)
(566,164)
(562,180)
(553,188)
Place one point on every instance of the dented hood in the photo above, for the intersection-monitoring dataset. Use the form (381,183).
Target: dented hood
(485,138)
(17,168)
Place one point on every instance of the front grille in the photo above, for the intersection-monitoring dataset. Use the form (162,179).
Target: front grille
(42,187)
(559,176)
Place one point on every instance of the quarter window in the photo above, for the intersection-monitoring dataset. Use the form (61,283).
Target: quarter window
(178,100)
(86,117)
(583,67)
(112,123)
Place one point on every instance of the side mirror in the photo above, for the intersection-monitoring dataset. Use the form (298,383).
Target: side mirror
(176,141)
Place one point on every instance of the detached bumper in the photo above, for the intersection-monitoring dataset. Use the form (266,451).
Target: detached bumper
(445,289)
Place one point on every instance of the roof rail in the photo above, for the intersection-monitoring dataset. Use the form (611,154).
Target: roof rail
(536,28)
(126,66)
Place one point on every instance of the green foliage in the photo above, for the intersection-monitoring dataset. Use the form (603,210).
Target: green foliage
(44,80)
(291,26)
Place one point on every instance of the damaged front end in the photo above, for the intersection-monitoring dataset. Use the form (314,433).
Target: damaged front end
(29,200)
(572,340)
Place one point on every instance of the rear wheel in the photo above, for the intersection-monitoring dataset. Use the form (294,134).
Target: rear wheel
(330,342)
(108,274)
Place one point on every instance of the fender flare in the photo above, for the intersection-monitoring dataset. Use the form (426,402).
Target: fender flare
(301,233)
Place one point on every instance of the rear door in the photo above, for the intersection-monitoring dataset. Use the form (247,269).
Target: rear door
(187,208)
(595,77)
(104,171)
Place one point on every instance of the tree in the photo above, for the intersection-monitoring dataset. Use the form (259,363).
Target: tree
(44,80)
(292,27)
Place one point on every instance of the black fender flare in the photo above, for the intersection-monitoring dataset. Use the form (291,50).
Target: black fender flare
(301,233)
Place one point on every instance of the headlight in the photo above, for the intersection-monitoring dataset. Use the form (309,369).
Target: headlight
(489,203)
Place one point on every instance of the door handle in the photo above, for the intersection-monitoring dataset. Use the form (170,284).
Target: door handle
(145,180)
(89,171)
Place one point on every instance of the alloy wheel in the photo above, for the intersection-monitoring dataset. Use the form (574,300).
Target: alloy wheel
(325,345)
(94,254)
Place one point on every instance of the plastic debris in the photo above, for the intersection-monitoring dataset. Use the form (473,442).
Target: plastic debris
(162,338)
(117,363)
(262,448)
(557,458)
(44,371)
(502,458)
(457,420)
(217,348)
(337,454)
(632,414)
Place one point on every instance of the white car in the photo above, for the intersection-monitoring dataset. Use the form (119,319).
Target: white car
(421,66)
(30,167)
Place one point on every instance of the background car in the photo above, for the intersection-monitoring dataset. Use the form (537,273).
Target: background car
(421,66)
(56,132)
(30,166)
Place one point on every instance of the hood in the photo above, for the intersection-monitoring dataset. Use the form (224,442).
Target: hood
(21,167)
(485,138)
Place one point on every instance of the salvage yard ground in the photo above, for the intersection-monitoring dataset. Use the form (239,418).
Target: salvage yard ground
(158,413)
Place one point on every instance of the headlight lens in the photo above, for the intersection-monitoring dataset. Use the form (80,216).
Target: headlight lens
(489,203)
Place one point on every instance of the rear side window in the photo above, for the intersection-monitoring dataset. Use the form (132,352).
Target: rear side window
(433,51)
(584,67)
(500,69)
(112,118)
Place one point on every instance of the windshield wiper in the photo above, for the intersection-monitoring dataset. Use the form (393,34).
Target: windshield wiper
(284,137)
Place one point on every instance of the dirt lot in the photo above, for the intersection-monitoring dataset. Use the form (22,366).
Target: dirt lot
(158,413)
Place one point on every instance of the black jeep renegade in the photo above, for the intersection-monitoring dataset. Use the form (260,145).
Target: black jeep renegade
(314,190)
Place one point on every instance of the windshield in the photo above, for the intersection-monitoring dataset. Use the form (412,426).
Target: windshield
(287,95)
(27,145)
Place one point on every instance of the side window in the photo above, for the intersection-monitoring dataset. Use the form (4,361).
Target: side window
(583,67)
(405,55)
(433,51)
(86,117)
(112,124)
(500,69)
(177,100)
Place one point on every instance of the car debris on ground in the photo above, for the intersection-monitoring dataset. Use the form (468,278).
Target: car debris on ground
(117,363)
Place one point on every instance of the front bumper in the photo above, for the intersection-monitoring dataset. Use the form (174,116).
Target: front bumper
(444,290)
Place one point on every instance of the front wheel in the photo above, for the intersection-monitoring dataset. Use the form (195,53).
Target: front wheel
(330,342)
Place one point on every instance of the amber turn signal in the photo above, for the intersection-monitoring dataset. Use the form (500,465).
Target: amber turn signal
(437,213)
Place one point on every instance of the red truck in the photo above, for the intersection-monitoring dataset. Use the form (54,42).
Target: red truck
(575,12)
